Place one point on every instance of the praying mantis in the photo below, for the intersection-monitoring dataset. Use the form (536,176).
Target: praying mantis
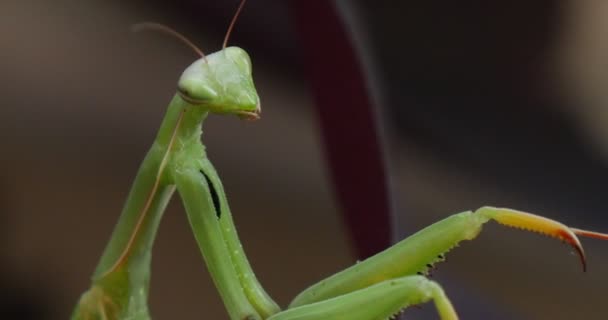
(376,288)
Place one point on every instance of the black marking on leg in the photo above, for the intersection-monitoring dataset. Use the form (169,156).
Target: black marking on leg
(214,197)
(395,315)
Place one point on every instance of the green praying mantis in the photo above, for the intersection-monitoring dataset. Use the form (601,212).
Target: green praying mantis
(376,288)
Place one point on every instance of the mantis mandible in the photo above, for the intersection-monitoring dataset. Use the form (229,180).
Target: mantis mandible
(377,288)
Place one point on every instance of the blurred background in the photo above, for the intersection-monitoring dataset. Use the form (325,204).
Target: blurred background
(500,103)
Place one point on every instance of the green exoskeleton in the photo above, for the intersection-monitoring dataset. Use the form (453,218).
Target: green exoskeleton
(376,288)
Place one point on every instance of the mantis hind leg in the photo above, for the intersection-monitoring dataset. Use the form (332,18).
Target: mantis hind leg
(380,301)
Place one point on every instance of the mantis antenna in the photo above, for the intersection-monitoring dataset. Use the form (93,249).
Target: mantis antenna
(153,26)
(236,15)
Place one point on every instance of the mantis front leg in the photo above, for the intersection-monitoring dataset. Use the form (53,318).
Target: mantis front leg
(209,215)
(378,301)
(389,279)
(199,204)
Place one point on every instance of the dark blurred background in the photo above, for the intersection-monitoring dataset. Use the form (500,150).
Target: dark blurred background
(500,103)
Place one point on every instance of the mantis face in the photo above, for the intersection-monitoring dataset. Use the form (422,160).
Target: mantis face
(222,83)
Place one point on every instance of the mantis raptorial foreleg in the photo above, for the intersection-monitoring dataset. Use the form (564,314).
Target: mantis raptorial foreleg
(379,301)
(428,246)
(241,291)
(376,288)
(390,278)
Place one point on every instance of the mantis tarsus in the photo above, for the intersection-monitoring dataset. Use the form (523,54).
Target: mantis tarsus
(376,288)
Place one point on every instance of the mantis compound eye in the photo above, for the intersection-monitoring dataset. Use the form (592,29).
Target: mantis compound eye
(195,92)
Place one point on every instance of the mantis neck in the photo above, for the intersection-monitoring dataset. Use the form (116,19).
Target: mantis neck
(190,126)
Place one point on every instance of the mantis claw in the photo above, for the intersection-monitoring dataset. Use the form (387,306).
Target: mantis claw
(542,225)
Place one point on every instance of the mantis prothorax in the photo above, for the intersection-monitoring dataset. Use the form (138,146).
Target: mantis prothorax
(376,288)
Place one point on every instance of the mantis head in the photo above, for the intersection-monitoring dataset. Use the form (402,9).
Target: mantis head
(222,83)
